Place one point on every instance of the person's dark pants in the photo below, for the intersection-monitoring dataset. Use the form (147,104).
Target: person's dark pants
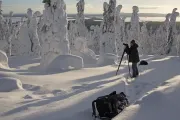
(135,70)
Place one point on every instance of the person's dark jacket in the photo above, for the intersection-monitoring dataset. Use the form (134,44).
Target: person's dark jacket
(133,53)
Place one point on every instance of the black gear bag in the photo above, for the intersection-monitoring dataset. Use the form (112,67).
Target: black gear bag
(107,107)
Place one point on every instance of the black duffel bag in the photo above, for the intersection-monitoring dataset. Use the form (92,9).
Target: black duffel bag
(107,107)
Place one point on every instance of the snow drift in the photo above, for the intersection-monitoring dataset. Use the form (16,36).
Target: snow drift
(159,104)
(8,84)
(63,62)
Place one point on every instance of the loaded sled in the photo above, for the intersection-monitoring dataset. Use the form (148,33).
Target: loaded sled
(107,107)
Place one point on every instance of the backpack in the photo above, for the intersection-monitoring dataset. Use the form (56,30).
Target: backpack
(143,62)
(109,106)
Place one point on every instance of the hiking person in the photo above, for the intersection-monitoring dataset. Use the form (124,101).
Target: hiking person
(133,57)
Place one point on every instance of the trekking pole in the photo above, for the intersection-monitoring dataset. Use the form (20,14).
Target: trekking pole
(120,61)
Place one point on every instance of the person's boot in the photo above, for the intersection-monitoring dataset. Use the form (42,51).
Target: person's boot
(133,76)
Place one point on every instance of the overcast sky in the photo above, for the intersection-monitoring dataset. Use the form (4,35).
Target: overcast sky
(95,6)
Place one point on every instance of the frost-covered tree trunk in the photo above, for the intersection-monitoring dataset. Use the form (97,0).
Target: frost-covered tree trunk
(55,40)
(135,27)
(119,31)
(80,20)
(108,37)
(172,37)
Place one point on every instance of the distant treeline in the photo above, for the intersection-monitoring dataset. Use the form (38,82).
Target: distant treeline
(154,25)
(90,15)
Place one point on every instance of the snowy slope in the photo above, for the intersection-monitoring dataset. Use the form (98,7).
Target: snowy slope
(67,95)
(159,104)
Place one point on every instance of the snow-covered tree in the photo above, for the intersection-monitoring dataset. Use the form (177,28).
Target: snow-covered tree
(55,40)
(108,37)
(39,28)
(81,30)
(15,42)
(119,30)
(9,29)
(135,27)
(172,36)
(72,33)
(144,41)
(159,38)
(4,29)
(32,32)
(95,39)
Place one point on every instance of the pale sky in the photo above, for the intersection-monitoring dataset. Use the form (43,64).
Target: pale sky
(95,6)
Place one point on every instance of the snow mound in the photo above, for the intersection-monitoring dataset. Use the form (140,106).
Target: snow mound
(63,62)
(159,104)
(88,56)
(81,49)
(3,60)
(8,84)
(107,59)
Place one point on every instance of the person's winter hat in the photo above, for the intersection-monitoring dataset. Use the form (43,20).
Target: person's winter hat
(133,41)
